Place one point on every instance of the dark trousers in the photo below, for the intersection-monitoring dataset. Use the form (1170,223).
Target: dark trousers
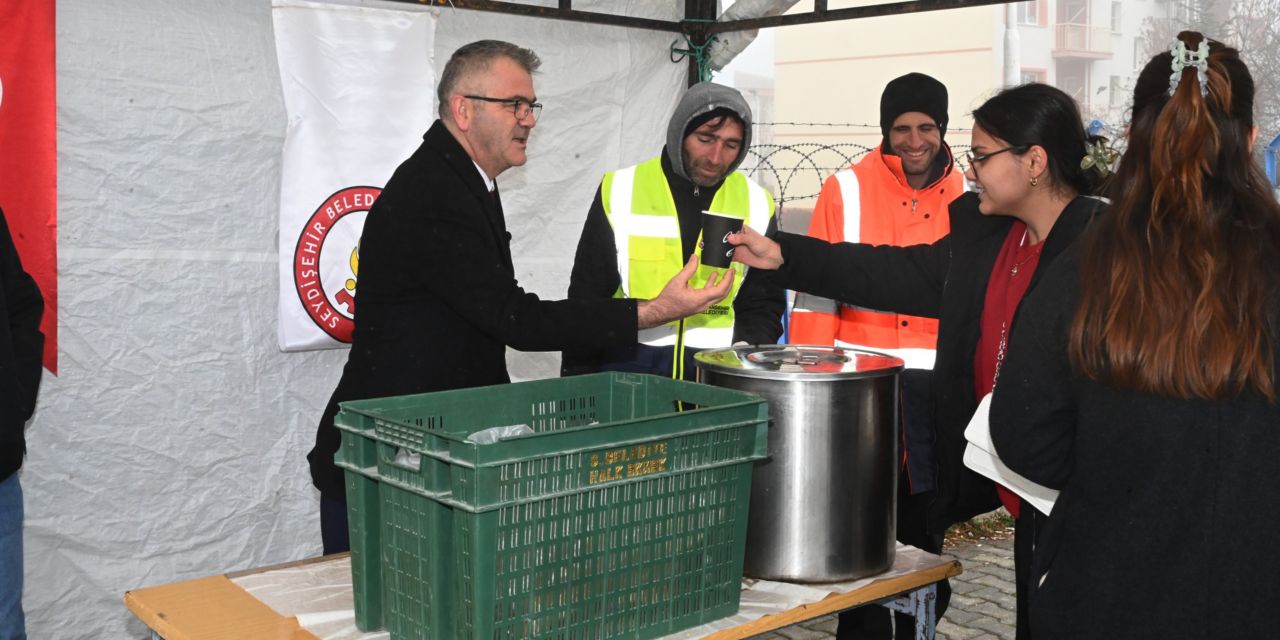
(12,623)
(915,492)
(333,526)
(1024,538)
(875,622)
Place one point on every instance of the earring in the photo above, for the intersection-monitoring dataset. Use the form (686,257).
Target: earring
(1035,181)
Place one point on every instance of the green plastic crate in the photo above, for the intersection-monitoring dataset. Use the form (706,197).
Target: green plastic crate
(623,516)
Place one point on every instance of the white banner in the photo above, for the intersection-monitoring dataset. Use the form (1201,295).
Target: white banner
(359,89)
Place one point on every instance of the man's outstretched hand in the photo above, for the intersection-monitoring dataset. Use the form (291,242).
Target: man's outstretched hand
(679,300)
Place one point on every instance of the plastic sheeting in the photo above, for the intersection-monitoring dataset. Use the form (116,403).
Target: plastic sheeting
(320,595)
(172,444)
(726,46)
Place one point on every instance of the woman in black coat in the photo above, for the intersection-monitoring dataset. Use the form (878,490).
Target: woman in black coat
(1144,384)
(1026,208)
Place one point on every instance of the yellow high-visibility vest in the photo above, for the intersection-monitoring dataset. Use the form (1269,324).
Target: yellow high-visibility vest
(646,230)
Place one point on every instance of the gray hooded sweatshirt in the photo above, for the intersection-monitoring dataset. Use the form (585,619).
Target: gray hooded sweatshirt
(700,99)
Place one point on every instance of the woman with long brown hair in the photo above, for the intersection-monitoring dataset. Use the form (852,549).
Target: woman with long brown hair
(1142,382)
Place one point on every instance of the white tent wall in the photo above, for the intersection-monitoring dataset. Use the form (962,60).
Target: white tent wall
(172,443)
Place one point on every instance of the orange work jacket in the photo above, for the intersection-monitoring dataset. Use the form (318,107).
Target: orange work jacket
(884,210)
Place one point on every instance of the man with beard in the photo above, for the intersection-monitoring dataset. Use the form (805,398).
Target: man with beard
(439,302)
(646,221)
(897,194)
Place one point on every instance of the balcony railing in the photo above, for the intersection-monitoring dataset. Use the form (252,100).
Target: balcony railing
(1082,41)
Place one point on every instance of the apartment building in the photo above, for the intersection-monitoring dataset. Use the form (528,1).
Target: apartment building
(828,76)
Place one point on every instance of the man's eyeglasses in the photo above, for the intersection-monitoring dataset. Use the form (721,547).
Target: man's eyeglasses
(519,106)
(974,161)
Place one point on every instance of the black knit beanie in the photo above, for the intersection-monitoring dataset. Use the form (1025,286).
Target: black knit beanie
(913,92)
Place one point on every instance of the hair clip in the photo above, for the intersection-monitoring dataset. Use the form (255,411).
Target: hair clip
(1183,58)
(1100,156)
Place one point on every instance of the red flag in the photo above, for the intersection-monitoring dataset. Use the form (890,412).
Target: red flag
(28,149)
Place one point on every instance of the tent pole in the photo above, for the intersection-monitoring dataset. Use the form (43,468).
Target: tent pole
(699,15)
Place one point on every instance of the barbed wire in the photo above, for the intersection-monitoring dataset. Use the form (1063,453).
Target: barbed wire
(1113,132)
(831,125)
(795,172)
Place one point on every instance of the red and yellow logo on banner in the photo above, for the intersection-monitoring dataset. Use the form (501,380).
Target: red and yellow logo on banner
(326,264)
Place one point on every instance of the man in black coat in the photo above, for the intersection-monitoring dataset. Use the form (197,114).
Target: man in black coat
(21,345)
(439,302)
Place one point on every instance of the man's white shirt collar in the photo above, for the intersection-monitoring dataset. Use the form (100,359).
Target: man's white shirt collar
(488,182)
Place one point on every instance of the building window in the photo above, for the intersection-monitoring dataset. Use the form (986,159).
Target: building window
(1073,12)
(1117,24)
(1073,78)
(1031,13)
(1034,75)
(1116,89)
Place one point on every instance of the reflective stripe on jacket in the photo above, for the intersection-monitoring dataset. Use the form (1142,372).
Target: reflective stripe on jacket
(640,209)
(896,214)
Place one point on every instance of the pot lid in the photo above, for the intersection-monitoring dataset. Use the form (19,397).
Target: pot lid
(798,362)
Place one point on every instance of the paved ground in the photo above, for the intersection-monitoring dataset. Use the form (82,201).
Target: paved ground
(982,605)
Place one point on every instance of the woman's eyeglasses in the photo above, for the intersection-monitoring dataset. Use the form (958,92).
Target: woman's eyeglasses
(978,159)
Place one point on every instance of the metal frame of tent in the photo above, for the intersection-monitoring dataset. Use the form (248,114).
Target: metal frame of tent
(699,25)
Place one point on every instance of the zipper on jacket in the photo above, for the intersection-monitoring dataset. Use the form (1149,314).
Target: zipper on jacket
(677,363)
(914,202)
(677,360)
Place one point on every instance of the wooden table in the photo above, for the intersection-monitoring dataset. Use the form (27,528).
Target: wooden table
(217,608)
